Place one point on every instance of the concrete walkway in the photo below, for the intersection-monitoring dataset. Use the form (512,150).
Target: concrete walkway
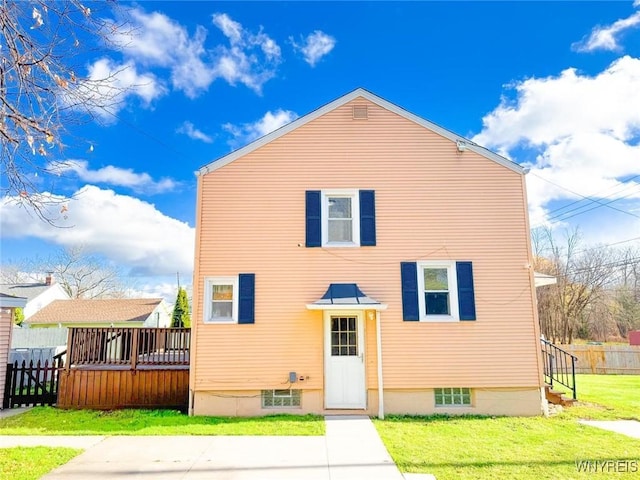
(631,428)
(351,449)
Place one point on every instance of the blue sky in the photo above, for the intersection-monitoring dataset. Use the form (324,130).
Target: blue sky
(553,85)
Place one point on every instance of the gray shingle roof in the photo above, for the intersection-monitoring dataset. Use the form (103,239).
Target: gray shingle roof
(24,290)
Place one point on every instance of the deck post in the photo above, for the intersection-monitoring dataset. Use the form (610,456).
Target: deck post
(70,350)
(135,339)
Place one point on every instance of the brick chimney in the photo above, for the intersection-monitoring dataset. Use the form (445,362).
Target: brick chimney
(48,280)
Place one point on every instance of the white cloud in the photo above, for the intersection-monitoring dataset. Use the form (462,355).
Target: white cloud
(124,229)
(122,177)
(315,46)
(607,37)
(230,28)
(249,132)
(162,287)
(109,84)
(553,107)
(580,132)
(157,41)
(187,128)
(239,62)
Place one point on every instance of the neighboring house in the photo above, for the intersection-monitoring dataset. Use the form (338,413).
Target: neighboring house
(8,305)
(38,295)
(362,259)
(121,312)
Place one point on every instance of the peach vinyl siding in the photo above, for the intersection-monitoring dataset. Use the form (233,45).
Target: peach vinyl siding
(432,203)
(6,326)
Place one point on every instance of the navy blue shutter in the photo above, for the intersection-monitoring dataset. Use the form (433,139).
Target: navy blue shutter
(466,295)
(409,276)
(367,218)
(247,298)
(313,224)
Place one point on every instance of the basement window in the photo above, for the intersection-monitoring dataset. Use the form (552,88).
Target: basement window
(281,398)
(446,397)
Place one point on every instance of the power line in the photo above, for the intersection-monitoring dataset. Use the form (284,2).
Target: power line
(596,194)
(596,246)
(601,198)
(148,135)
(601,204)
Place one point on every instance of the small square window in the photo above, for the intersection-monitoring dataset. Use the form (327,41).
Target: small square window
(452,396)
(280,398)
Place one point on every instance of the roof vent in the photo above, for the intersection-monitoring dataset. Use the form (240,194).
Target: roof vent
(360,112)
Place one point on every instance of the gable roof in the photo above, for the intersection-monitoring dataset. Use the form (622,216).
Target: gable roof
(25,290)
(96,311)
(360,92)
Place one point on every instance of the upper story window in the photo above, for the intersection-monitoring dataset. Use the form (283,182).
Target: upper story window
(341,218)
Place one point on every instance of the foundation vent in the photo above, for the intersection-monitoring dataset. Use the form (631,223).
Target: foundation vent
(360,112)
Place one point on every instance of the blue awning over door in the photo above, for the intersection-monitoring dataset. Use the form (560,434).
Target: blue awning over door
(346,296)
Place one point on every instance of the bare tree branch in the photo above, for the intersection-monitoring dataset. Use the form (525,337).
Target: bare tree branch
(41,93)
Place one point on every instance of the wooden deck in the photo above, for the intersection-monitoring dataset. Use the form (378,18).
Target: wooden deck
(112,368)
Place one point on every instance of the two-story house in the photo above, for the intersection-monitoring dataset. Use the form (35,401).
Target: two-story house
(363,259)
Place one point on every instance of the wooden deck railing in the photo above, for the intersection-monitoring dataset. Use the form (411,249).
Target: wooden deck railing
(133,347)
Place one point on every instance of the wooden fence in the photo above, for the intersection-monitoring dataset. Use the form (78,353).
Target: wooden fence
(614,359)
(110,368)
(32,384)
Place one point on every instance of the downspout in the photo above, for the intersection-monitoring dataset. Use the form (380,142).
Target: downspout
(379,354)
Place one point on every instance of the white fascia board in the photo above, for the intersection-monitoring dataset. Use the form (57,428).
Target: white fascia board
(352,306)
(359,92)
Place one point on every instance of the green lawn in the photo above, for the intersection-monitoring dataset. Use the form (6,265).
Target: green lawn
(18,463)
(607,397)
(51,421)
(520,447)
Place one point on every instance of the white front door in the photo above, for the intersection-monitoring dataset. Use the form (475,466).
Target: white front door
(344,360)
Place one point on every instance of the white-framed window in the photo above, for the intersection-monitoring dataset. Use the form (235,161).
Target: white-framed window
(280,398)
(438,291)
(221,300)
(446,397)
(340,218)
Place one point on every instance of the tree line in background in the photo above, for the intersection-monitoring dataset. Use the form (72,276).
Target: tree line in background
(82,275)
(596,297)
(597,294)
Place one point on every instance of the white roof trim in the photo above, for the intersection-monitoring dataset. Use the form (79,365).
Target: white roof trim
(351,306)
(359,92)
(540,279)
